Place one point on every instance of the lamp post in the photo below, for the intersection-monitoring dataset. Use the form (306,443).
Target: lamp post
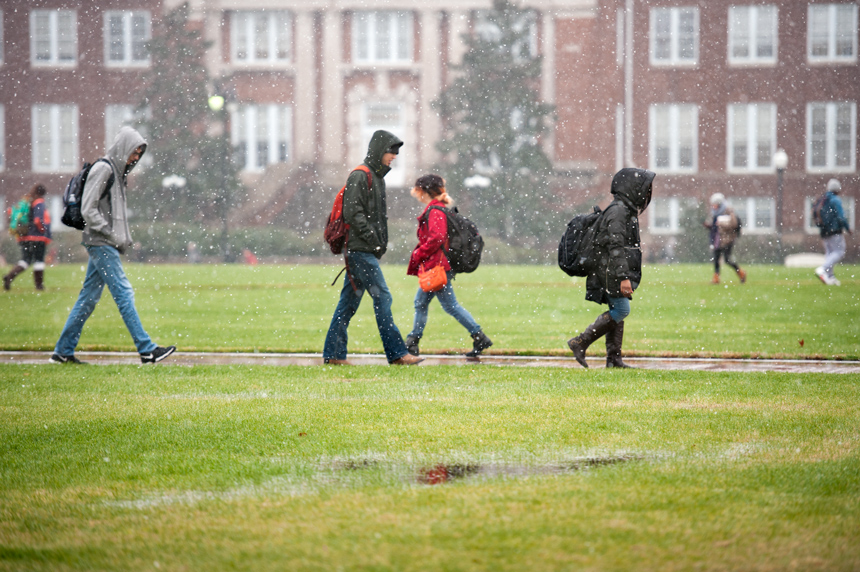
(780,161)
(218,103)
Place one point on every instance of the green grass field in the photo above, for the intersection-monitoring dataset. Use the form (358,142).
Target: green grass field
(342,468)
(326,468)
(525,309)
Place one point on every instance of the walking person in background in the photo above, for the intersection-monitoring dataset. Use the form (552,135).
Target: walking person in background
(430,253)
(364,210)
(725,227)
(617,270)
(35,239)
(106,236)
(830,218)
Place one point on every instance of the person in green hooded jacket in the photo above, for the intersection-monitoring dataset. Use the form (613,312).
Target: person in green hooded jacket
(364,210)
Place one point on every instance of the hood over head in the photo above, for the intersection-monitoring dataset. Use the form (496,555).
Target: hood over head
(381,143)
(125,142)
(633,186)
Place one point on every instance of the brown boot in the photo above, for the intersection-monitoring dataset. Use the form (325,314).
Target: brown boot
(614,339)
(39,279)
(408,359)
(592,333)
(715,279)
(742,275)
(16,270)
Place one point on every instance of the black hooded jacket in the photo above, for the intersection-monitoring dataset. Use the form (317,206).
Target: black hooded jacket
(364,209)
(618,252)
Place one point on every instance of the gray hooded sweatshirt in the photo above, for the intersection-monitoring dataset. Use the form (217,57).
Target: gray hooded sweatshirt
(107,217)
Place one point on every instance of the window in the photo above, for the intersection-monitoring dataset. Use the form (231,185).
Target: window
(664,216)
(757,214)
(831,136)
(382,37)
(118,116)
(752,137)
(262,135)
(673,138)
(832,33)
(55,138)
(1,38)
(126,35)
(674,36)
(53,38)
(752,34)
(391,117)
(848,205)
(524,25)
(261,37)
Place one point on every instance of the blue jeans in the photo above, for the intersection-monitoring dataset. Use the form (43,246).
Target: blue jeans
(619,308)
(105,267)
(449,303)
(367,276)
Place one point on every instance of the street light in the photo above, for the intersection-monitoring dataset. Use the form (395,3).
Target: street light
(221,106)
(780,161)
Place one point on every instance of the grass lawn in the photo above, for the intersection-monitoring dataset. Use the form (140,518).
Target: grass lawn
(780,312)
(322,468)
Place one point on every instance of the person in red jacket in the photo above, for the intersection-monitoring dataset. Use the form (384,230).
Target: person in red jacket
(35,241)
(430,252)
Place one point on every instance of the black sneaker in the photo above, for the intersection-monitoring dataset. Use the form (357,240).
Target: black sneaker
(57,358)
(157,354)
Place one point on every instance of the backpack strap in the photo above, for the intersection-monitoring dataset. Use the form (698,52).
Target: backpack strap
(110,180)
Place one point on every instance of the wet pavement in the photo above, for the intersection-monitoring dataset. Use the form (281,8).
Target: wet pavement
(281,359)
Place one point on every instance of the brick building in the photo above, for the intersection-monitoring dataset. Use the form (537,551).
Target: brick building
(704,93)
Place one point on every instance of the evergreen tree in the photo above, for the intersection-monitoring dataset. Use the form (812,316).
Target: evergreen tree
(175,96)
(494,119)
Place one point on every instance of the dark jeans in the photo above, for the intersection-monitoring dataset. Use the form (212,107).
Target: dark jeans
(367,276)
(726,253)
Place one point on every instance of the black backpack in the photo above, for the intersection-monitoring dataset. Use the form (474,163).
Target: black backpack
(576,247)
(817,207)
(74,193)
(465,243)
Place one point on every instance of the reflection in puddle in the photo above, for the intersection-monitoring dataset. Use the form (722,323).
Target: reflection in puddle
(442,473)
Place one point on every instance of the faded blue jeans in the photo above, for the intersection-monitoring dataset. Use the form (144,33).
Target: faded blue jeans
(367,276)
(105,267)
(619,308)
(449,303)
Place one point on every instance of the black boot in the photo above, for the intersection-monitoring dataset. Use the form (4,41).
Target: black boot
(480,342)
(16,270)
(39,279)
(592,333)
(614,339)
(412,345)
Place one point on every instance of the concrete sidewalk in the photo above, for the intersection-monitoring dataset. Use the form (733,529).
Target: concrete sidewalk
(280,359)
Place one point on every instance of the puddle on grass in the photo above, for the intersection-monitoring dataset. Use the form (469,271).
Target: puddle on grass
(442,473)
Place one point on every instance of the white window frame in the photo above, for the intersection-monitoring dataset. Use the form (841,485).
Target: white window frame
(751,136)
(674,143)
(746,209)
(674,58)
(369,125)
(848,205)
(834,19)
(53,39)
(673,205)
(245,124)
(2,139)
(366,29)
(128,38)
(2,41)
(244,37)
(752,27)
(830,138)
(54,136)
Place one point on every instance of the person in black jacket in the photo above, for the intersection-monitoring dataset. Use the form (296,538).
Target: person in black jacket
(618,269)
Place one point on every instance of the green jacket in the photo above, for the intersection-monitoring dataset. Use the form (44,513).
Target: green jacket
(364,209)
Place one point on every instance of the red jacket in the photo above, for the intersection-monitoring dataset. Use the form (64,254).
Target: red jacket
(432,237)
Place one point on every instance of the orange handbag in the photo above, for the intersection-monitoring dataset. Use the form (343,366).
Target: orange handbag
(432,280)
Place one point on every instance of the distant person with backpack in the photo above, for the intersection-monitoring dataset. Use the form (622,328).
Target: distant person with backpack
(725,228)
(830,218)
(30,224)
(616,270)
(430,253)
(366,217)
(106,236)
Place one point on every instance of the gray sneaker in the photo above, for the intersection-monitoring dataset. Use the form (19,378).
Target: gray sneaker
(57,358)
(157,354)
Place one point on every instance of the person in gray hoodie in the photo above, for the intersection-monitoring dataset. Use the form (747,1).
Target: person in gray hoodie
(106,236)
